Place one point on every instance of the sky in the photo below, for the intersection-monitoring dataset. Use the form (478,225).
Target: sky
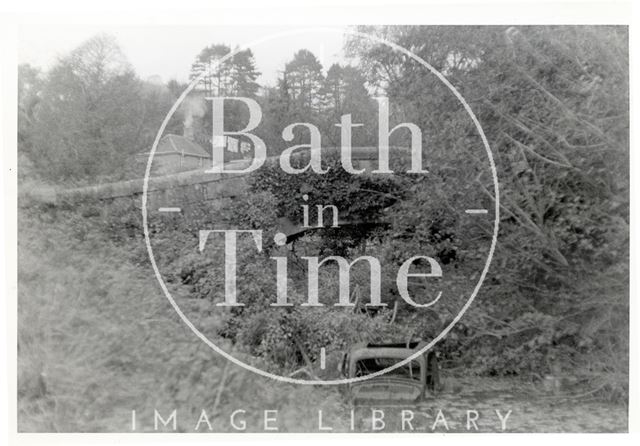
(168,51)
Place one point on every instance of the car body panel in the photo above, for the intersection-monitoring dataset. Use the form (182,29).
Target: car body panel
(407,383)
(383,389)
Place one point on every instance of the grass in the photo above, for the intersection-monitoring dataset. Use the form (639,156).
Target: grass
(97,339)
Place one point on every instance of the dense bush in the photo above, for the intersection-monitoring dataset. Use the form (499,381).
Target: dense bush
(553,102)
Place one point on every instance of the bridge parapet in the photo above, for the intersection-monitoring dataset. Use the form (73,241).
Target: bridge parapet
(193,186)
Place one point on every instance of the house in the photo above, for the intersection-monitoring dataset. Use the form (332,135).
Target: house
(177,153)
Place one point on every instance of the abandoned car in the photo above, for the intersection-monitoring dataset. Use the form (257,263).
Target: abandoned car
(409,383)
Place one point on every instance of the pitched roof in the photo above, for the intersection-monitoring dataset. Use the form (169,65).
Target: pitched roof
(181,145)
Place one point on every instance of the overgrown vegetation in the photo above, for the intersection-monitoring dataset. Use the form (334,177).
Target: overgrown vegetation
(553,102)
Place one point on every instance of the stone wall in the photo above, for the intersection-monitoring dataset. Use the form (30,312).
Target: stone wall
(184,188)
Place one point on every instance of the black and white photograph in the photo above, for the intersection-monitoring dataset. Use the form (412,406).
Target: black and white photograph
(276,227)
